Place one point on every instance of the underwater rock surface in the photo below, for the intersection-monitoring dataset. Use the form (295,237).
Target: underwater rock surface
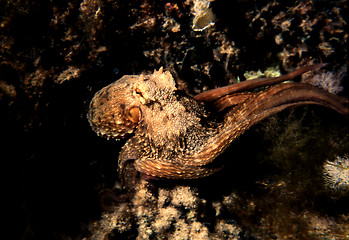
(279,180)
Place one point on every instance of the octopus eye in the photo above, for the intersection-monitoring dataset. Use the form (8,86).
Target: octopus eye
(139,92)
(134,114)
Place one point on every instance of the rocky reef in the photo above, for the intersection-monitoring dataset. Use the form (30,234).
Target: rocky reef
(286,178)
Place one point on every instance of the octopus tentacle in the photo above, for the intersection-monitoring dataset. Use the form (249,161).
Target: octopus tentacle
(229,101)
(163,169)
(217,93)
(258,107)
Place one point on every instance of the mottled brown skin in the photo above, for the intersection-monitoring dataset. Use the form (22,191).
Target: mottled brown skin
(174,136)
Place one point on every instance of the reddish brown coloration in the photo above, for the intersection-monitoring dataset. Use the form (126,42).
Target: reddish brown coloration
(174,136)
(213,94)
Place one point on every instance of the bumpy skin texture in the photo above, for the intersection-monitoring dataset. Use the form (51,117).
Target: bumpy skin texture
(174,136)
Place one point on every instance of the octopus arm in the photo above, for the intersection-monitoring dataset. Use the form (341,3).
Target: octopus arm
(259,106)
(217,93)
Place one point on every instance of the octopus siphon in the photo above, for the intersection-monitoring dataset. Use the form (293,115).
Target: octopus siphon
(173,135)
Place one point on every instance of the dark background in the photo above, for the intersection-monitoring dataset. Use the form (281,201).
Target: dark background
(55,55)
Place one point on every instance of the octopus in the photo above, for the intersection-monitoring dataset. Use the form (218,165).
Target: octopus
(172,135)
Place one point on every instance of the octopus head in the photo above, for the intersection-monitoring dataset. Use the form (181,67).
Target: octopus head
(117,109)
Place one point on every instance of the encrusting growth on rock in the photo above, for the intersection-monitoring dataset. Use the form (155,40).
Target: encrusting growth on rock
(175,136)
(172,214)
